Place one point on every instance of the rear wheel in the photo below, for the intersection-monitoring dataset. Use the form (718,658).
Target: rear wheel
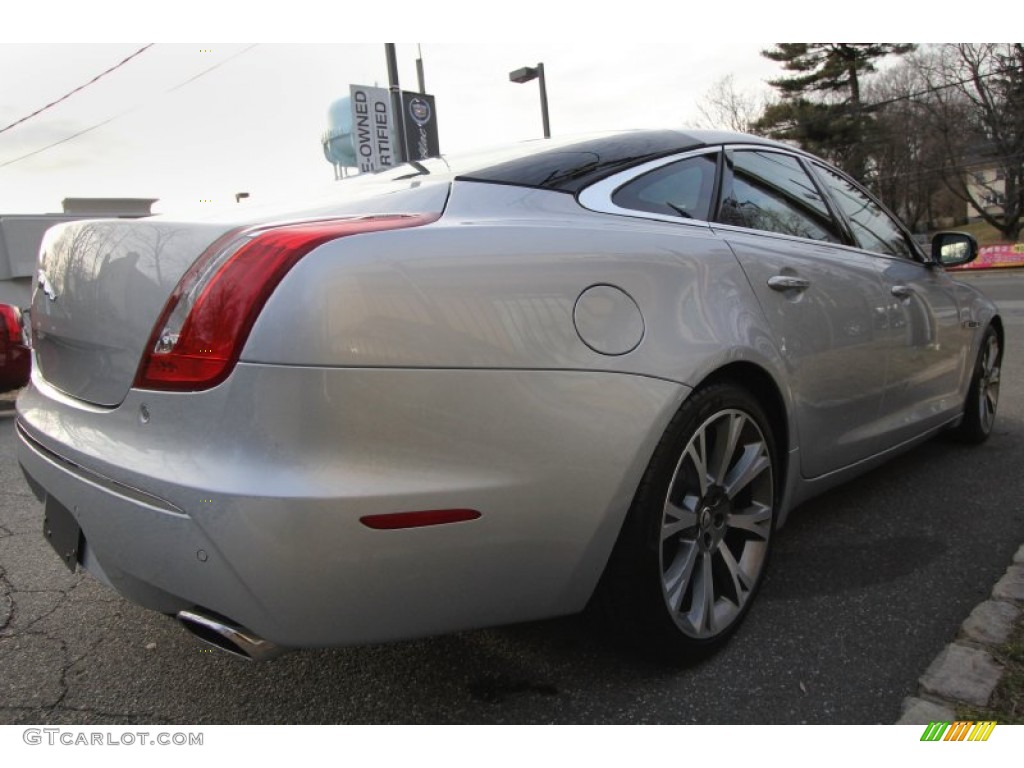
(983,395)
(696,541)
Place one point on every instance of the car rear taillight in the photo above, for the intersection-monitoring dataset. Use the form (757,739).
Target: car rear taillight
(10,324)
(201,332)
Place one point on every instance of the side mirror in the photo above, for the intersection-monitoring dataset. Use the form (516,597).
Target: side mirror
(954,249)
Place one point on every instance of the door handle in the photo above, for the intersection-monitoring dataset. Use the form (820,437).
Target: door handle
(788,283)
(902,291)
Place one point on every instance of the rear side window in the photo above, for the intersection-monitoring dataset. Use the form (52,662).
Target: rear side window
(683,189)
(772,192)
(873,228)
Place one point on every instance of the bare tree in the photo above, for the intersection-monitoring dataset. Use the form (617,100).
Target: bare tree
(903,150)
(725,108)
(975,101)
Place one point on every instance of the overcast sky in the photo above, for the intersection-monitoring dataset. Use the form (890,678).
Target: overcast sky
(191,122)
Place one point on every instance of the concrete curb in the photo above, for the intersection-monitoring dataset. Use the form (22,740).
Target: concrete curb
(965,672)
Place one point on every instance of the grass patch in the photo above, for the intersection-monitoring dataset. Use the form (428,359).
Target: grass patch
(1007,703)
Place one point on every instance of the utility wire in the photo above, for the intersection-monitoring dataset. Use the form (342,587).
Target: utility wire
(127,111)
(932,89)
(864,108)
(71,93)
(943,170)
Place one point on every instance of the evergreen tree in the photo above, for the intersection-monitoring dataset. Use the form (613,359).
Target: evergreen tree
(821,107)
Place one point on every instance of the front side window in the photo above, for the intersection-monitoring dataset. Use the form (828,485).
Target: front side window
(682,189)
(772,192)
(873,228)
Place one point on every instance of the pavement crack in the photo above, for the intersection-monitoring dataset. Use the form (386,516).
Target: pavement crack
(114,597)
(26,630)
(5,595)
(495,689)
(65,668)
(102,638)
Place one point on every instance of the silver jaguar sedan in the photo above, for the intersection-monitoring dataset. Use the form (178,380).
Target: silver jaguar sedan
(482,390)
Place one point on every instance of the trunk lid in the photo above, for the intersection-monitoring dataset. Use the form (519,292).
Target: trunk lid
(101,286)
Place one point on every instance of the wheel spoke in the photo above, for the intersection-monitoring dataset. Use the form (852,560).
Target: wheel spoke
(991,354)
(990,399)
(741,582)
(990,391)
(729,430)
(756,519)
(988,411)
(677,519)
(679,574)
(702,609)
(697,451)
(752,463)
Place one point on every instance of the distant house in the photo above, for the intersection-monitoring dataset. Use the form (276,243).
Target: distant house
(983,180)
(986,183)
(21,235)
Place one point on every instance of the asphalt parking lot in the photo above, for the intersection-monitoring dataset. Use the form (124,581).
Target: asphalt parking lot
(867,585)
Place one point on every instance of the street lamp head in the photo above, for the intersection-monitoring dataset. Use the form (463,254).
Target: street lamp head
(524,75)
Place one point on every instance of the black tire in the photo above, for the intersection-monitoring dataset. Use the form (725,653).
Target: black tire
(983,394)
(679,537)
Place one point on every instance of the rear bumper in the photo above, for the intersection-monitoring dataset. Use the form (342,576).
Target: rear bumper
(15,367)
(246,499)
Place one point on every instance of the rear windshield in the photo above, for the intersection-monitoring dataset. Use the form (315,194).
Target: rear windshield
(570,166)
(565,165)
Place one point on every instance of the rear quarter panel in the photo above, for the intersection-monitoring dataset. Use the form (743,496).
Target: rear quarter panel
(494,284)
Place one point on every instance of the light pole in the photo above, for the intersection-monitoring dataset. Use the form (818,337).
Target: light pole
(525,75)
(396,101)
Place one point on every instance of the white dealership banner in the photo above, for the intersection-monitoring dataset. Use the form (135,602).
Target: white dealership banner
(373,129)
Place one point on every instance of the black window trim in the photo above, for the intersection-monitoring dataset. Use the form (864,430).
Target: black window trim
(842,222)
(829,221)
(920,257)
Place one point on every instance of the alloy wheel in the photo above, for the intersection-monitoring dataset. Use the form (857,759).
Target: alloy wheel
(988,385)
(716,524)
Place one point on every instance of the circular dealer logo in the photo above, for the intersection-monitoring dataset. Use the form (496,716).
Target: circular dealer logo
(420,111)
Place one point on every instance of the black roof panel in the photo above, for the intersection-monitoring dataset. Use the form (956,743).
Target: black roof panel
(571,166)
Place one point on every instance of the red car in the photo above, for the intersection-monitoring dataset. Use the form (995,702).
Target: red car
(15,360)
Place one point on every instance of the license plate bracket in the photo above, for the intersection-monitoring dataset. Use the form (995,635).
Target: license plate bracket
(63,532)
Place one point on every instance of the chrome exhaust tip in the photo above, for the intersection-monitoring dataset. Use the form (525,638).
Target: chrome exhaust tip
(228,637)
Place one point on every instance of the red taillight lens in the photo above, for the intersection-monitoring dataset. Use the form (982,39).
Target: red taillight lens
(204,326)
(9,323)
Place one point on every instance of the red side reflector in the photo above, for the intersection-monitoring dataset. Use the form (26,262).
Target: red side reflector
(418,519)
